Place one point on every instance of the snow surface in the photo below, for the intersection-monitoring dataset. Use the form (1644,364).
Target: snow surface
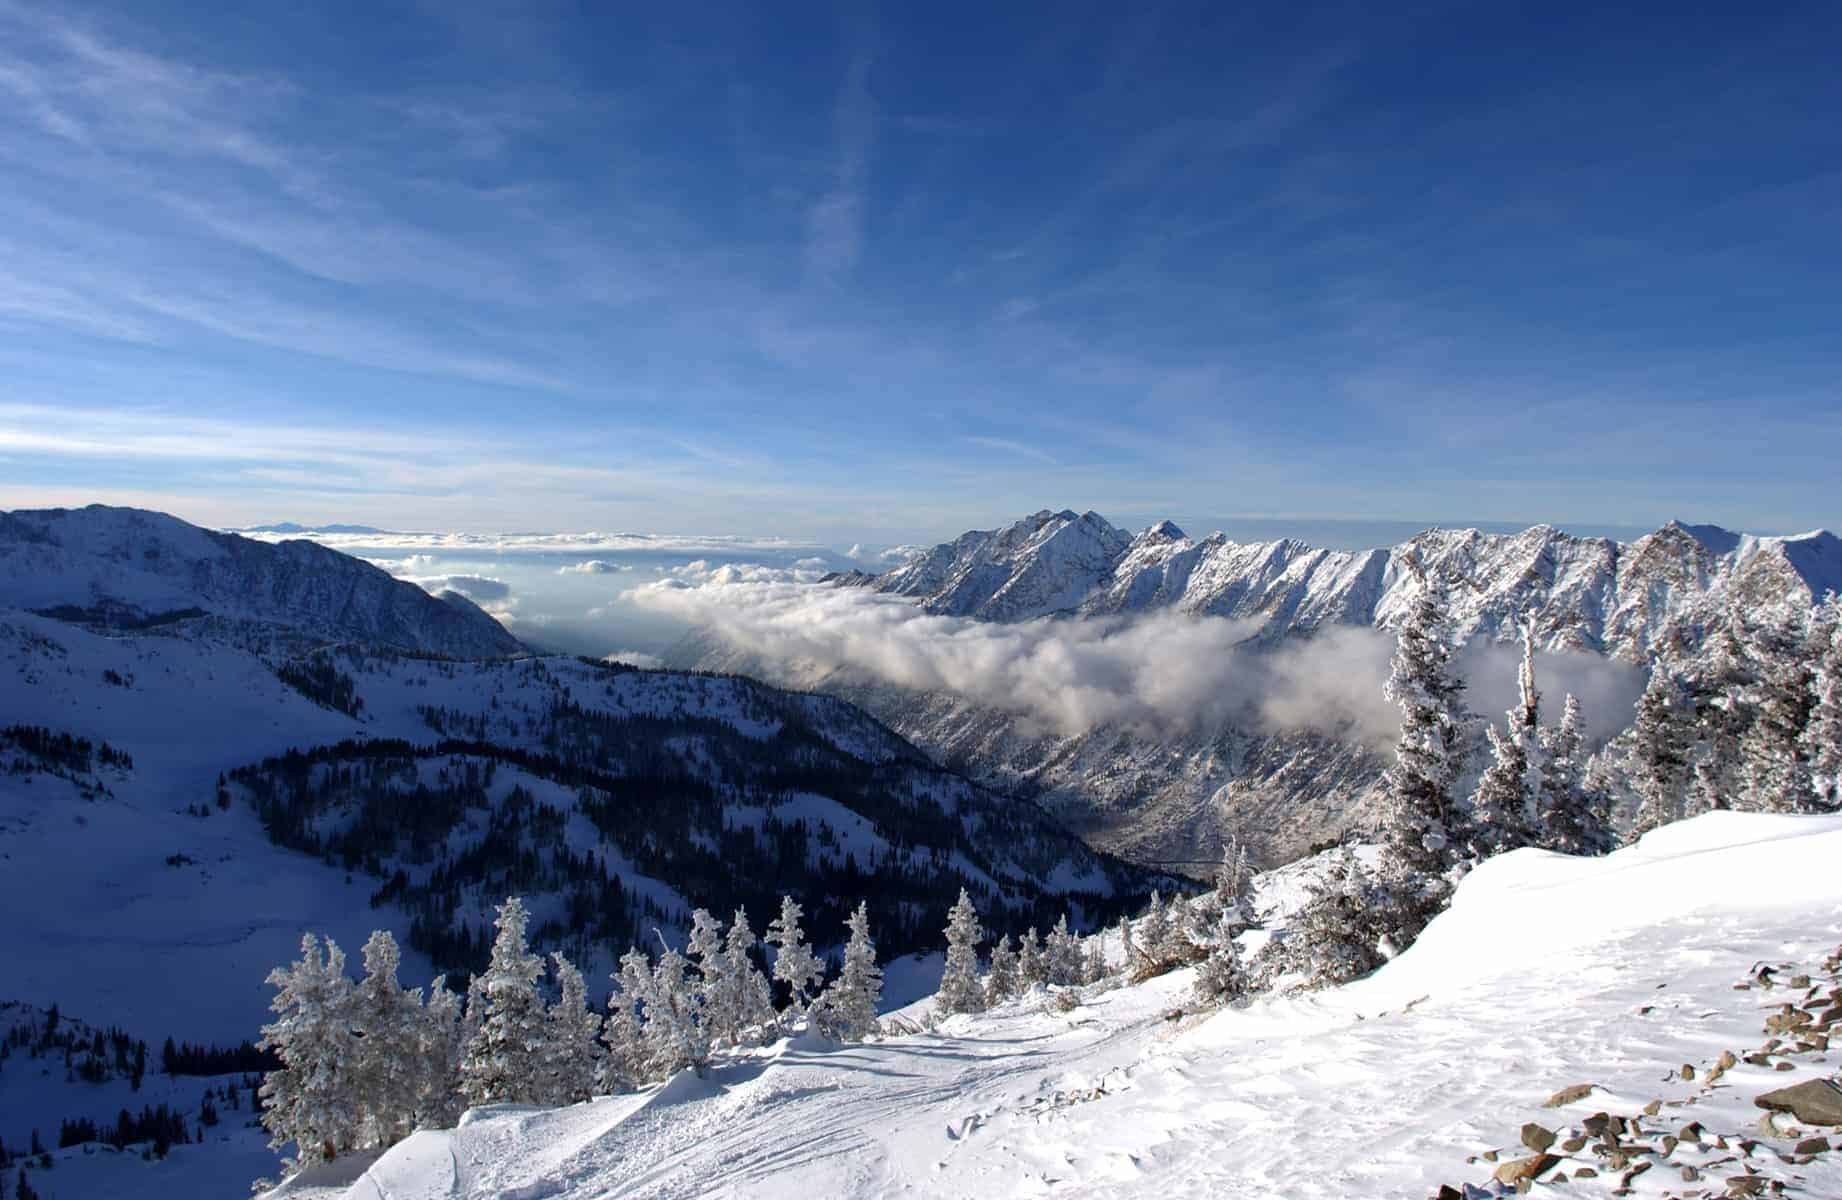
(1546,972)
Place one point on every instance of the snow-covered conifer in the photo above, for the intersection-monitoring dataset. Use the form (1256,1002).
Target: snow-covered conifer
(1496,805)
(1338,934)
(671,1034)
(1094,965)
(959,979)
(1713,695)
(848,1009)
(1775,773)
(1420,821)
(794,962)
(704,949)
(311,1101)
(1659,752)
(1152,931)
(1234,879)
(572,1045)
(1570,822)
(383,1071)
(624,1065)
(747,1000)
(1001,976)
(1221,976)
(1032,970)
(505,1060)
(1063,955)
(438,1057)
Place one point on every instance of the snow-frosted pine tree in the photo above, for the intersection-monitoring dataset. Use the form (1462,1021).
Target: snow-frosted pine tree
(704,948)
(1658,753)
(1001,977)
(747,998)
(1505,808)
(438,1057)
(572,1045)
(1095,959)
(1339,933)
(1420,821)
(1496,805)
(505,1060)
(1234,880)
(624,1066)
(385,1022)
(1570,821)
(1063,955)
(311,1101)
(794,962)
(1775,774)
(1715,711)
(671,1034)
(1152,930)
(959,979)
(1221,976)
(1821,739)
(1032,971)
(848,1009)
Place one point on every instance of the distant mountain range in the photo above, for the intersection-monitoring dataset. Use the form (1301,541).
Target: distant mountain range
(126,569)
(1583,593)
(291,527)
(1172,798)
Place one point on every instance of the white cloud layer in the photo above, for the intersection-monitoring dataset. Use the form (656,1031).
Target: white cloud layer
(1159,672)
(594,566)
(545,543)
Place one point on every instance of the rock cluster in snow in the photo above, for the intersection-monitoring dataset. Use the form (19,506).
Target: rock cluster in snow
(1693,1139)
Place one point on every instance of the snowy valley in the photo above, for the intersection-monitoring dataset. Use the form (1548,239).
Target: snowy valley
(1538,967)
(1273,781)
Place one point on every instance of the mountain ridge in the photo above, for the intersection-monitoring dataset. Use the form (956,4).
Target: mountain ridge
(1585,593)
(127,568)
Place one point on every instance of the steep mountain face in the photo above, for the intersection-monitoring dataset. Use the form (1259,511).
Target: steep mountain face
(1172,798)
(124,569)
(1583,593)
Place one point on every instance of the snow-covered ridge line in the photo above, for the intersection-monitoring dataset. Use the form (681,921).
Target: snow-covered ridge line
(1583,593)
(127,568)
(1382,1088)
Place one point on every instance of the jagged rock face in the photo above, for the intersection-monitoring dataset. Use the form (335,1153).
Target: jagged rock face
(126,567)
(1174,798)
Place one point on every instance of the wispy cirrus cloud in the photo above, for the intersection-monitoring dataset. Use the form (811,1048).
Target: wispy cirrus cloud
(835,222)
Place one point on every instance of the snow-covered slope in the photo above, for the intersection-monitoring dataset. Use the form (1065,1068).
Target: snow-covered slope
(1584,593)
(180,899)
(125,568)
(1548,972)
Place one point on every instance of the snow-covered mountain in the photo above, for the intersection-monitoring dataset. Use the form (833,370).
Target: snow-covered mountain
(1172,796)
(125,568)
(184,792)
(1583,593)
(1631,1063)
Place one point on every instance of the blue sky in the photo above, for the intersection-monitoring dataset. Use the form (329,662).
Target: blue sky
(887,274)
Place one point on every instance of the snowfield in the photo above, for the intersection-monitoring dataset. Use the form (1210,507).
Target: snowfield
(1547,972)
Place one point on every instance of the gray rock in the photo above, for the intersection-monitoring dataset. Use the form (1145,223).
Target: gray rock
(1814,1102)
(1511,1172)
(1537,1138)
(1569,1095)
